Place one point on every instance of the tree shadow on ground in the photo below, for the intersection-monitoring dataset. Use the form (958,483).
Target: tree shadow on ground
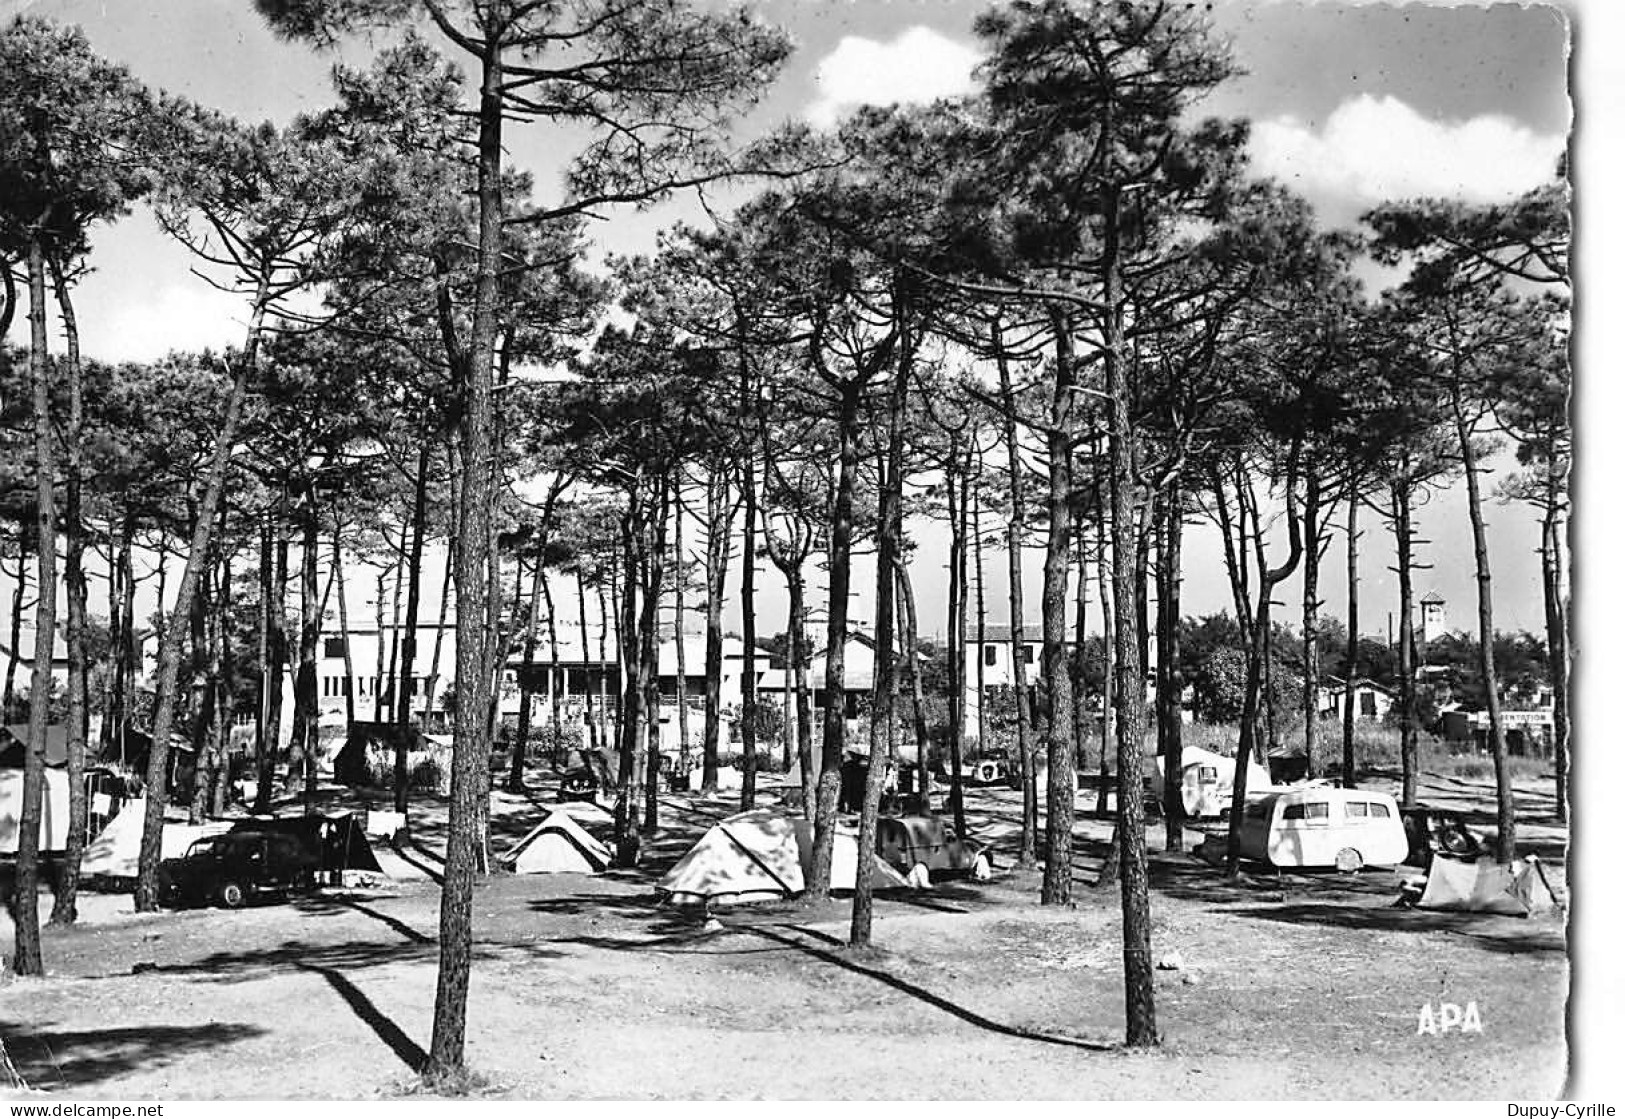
(330,905)
(833,951)
(419,856)
(77,1059)
(1192,879)
(1510,935)
(354,955)
(410,1053)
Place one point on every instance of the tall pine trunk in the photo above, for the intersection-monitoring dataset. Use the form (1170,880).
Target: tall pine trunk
(25,903)
(1351,669)
(1506,840)
(470,777)
(65,909)
(679,610)
(1026,753)
(718,525)
(1557,636)
(1057,888)
(840,583)
(307,711)
(521,736)
(1310,698)
(881,739)
(1404,540)
(409,639)
(1170,667)
(747,595)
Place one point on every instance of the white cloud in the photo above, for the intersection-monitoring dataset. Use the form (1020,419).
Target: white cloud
(918,65)
(1371,150)
(148,325)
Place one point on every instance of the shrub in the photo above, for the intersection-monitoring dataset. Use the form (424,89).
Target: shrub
(429,775)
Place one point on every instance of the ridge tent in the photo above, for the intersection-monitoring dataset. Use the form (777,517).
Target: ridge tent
(1486,886)
(748,857)
(53,824)
(762,854)
(116,852)
(339,843)
(14,745)
(556,845)
(843,871)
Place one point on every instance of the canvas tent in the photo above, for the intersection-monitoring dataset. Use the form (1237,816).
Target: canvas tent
(53,828)
(116,852)
(1486,886)
(762,854)
(557,845)
(14,744)
(338,842)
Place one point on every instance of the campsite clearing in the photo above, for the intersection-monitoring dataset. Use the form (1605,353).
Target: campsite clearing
(1296,985)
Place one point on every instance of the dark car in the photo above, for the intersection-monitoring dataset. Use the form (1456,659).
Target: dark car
(234,867)
(918,845)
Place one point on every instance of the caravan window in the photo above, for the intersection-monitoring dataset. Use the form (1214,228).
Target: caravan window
(1379,810)
(1355,808)
(1314,810)
(1207,773)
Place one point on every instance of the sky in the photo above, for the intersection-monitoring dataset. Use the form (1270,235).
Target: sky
(1350,104)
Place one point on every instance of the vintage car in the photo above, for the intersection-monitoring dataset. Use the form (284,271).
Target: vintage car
(917,846)
(232,868)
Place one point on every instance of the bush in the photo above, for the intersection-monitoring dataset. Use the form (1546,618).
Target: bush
(766,761)
(545,740)
(429,775)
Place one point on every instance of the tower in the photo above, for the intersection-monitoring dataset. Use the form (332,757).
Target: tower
(1433,623)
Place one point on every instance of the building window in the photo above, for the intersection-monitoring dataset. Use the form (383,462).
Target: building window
(333,647)
(1026,654)
(990,654)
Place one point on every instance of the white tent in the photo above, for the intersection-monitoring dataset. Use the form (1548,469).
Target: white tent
(1485,886)
(116,852)
(53,825)
(763,854)
(558,845)
(843,871)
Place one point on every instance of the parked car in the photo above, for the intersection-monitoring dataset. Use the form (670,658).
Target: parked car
(1428,830)
(232,868)
(919,845)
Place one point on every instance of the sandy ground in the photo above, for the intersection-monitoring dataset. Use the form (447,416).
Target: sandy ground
(1298,985)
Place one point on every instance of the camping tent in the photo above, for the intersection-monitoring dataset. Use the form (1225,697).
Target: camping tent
(1486,886)
(339,842)
(116,852)
(14,744)
(1207,780)
(763,854)
(557,845)
(53,829)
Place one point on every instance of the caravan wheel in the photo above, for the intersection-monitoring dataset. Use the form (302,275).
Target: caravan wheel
(1349,860)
